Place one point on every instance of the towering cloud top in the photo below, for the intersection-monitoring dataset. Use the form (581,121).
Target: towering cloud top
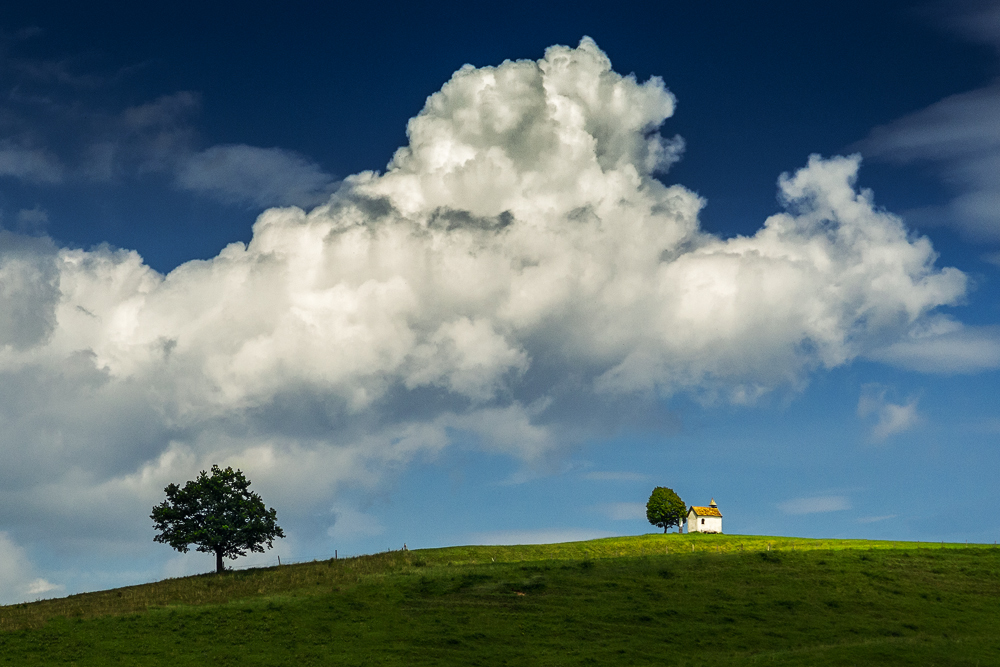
(532,138)
(519,252)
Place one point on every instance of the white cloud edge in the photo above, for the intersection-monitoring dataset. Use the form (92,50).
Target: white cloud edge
(949,348)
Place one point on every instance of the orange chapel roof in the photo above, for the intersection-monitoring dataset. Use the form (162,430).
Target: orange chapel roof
(705,511)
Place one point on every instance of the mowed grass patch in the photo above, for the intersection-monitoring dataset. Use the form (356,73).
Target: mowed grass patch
(903,605)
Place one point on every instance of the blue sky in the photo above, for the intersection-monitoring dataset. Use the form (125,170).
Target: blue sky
(442,275)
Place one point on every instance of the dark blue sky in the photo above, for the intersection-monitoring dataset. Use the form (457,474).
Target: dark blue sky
(760,86)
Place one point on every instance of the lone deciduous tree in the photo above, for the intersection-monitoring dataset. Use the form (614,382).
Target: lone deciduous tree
(219,514)
(665,508)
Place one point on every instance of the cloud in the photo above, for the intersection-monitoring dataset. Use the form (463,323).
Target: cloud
(876,519)
(976,19)
(54,134)
(891,418)
(54,138)
(623,511)
(151,137)
(32,220)
(960,134)
(815,505)
(28,290)
(261,176)
(18,580)
(516,280)
(943,345)
(159,137)
(32,165)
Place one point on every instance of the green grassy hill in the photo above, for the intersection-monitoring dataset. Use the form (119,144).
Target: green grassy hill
(648,600)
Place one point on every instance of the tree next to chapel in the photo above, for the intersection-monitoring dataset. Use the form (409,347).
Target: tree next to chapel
(665,509)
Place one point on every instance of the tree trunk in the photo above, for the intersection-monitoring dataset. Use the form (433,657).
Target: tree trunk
(665,529)
(219,567)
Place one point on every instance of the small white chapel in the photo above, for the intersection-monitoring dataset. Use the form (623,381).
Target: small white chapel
(705,519)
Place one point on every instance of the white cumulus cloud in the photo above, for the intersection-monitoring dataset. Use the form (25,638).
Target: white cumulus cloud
(516,274)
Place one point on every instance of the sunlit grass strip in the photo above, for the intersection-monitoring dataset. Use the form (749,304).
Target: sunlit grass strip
(324,577)
(669,544)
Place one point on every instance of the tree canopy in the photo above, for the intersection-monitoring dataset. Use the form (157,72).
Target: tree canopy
(218,513)
(665,508)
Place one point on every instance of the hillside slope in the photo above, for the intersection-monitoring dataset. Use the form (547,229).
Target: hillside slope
(654,599)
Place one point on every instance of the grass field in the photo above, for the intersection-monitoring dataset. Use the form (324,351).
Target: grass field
(648,600)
